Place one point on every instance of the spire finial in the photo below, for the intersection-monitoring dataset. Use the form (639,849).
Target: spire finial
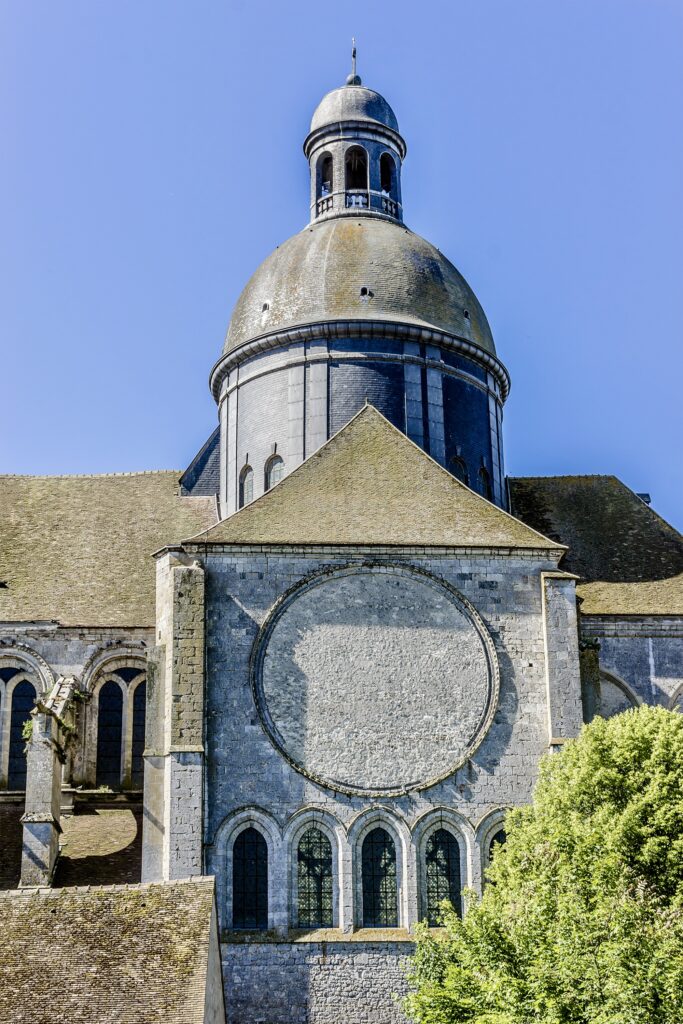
(353,78)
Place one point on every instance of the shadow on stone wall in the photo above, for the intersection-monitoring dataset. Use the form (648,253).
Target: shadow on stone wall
(100,846)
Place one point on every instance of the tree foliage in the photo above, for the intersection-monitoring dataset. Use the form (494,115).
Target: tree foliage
(581,921)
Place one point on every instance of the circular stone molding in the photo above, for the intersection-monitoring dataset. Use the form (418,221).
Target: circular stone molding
(375,678)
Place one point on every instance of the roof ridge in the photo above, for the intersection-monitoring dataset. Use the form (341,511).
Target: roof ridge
(53,891)
(444,471)
(86,476)
(571,476)
(303,469)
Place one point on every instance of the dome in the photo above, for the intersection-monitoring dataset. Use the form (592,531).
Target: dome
(318,275)
(353,103)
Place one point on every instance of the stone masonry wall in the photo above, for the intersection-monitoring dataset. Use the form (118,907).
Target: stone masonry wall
(248,778)
(644,652)
(46,651)
(179,696)
(293,398)
(565,712)
(315,982)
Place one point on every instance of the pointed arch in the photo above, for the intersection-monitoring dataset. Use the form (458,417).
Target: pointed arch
(323,821)
(488,833)
(19,663)
(444,877)
(398,876)
(21,698)
(111,699)
(222,859)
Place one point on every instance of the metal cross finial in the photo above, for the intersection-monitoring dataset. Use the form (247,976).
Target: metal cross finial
(353,56)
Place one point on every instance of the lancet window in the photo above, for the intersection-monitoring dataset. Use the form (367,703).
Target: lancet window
(109,734)
(380,894)
(314,880)
(442,857)
(250,881)
(23,700)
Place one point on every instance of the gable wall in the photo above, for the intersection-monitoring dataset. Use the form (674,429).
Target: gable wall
(244,768)
(249,781)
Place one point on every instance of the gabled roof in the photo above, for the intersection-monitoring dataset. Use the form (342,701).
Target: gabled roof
(77,549)
(133,954)
(369,484)
(629,559)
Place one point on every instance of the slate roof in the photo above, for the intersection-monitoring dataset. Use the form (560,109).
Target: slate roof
(353,102)
(369,484)
(77,549)
(317,275)
(629,559)
(115,955)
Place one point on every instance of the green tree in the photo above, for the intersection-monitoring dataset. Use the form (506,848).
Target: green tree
(581,921)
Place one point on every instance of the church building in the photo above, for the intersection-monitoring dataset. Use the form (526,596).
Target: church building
(320,664)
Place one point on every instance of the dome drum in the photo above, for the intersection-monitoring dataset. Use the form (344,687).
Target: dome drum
(288,400)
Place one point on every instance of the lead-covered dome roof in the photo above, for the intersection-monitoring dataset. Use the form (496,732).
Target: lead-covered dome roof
(353,103)
(319,275)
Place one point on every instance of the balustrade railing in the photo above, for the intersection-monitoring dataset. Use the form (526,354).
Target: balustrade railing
(357,198)
(324,204)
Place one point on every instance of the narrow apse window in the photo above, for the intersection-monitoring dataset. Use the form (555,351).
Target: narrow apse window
(485,483)
(459,470)
(246,486)
(274,469)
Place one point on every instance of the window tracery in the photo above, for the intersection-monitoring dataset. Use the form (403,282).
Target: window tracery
(314,880)
(442,862)
(379,881)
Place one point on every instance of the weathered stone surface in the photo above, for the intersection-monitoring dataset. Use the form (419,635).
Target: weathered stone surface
(376,679)
(316,983)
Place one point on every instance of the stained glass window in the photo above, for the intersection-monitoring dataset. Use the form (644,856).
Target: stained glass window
(23,700)
(109,734)
(250,881)
(443,873)
(380,908)
(314,880)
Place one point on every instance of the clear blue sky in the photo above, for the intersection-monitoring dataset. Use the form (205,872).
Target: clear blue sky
(152,157)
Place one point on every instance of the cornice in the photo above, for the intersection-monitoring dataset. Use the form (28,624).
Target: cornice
(392,330)
(353,130)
